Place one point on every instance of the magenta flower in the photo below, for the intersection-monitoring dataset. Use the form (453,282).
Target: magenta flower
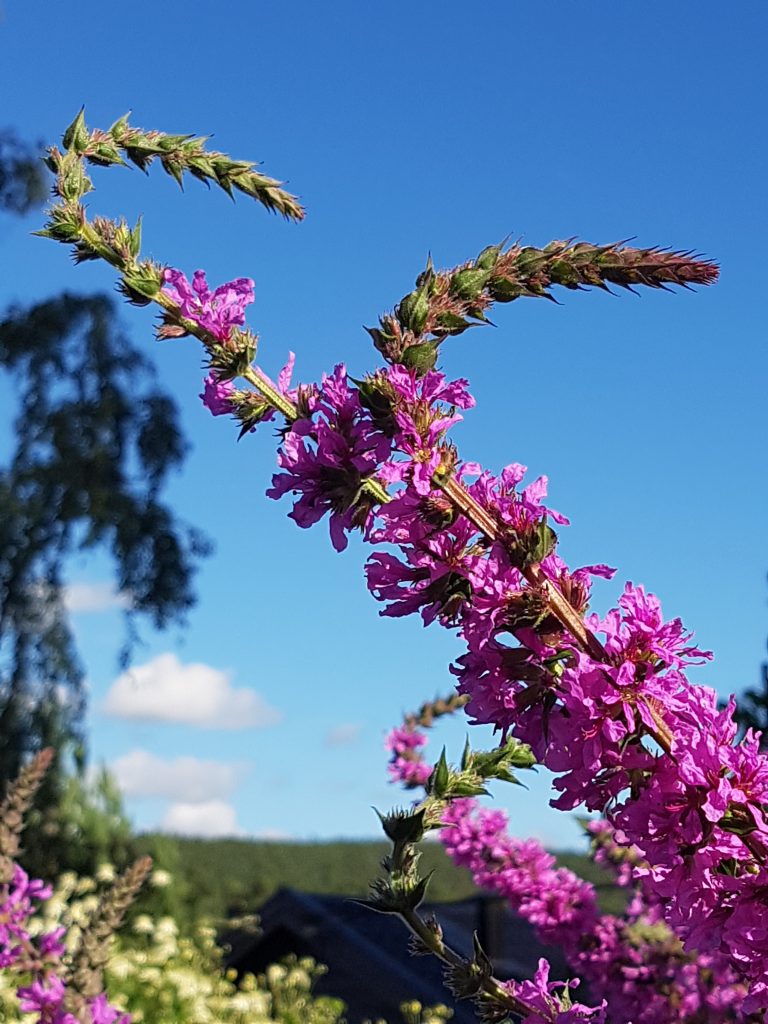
(326,459)
(46,998)
(218,311)
(424,410)
(638,632)
(103,1013)
(548,1006)
(217,394)
(629,961)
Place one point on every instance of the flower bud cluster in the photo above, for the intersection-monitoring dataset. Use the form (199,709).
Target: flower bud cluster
(446,303)
(402,890)
(406,742)
(177,154)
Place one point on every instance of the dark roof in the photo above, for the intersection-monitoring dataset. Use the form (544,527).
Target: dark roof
(369,964)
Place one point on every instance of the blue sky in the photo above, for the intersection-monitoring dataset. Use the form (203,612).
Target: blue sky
(410,128)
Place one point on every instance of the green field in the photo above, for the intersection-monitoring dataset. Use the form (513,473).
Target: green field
(219,878)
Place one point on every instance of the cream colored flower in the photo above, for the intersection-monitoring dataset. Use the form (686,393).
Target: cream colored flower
(143,925)
(106,873)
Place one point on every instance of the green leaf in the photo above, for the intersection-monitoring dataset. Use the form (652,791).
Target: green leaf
(466,787)
(419,891)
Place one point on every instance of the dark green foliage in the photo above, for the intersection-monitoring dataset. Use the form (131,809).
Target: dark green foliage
(752,708)
(94,442)
(221,878)
(83,828)
(611,898)
(22,177)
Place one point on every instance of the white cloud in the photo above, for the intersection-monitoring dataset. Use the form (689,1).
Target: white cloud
(165,690)
(343,735)
(93,597)
(209,819)
(186,779)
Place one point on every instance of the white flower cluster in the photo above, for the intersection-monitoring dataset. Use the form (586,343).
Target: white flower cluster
(162,977)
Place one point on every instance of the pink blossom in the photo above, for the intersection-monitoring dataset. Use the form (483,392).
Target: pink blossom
(546,1005)
(218,311)
(326,459)
(217,394)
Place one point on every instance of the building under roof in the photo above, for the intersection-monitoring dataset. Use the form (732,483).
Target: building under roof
(367,955)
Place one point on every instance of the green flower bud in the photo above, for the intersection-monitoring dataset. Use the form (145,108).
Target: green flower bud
(529,261)
(170,142)
(421,357)
(451,323)
(440,777)
(414,310)
(74,182)
(76,137)
(467,787)
(427,277)
(201,167)
(105,154)
(119,127)
(402,826)
(504,289)
(175,168)
(134,240)
(143,281)
(469,283)
(531,547)
(563,273)
(488,257)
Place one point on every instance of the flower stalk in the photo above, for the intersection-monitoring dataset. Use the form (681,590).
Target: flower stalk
(584,693)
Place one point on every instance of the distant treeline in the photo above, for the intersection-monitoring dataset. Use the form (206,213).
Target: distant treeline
(221,878)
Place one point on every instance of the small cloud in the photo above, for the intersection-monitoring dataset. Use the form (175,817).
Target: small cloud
(165,690)
(185,779)
(343,735)
(274,835)
(213,818)
(93,597)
